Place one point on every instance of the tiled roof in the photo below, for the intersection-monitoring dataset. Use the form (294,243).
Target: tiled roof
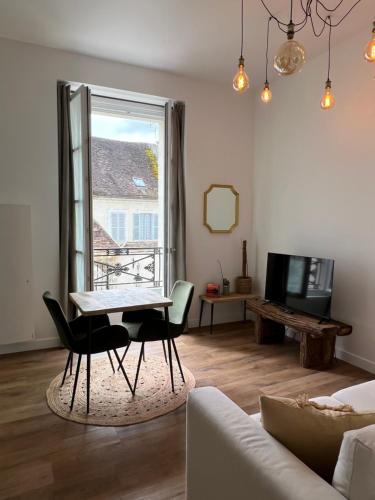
(101,239)
(116,163)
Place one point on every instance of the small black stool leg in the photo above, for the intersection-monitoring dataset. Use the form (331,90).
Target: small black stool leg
(71,363)
(123,371)
(170,362)
(212,317)
(75,381)
(125,353)
(66,367)
(178,360)
(138,367)
(144,358)
(165,352)
(110,360)
(201,313)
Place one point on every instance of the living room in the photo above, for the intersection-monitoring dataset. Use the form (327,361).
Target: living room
(301,179)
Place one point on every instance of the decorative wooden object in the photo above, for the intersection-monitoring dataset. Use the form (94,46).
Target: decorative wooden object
(318,338)
(244,282)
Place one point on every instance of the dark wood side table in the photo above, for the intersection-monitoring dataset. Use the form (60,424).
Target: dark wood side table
(232,297)
(318,338)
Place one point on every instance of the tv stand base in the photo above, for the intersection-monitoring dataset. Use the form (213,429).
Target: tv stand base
(317,347)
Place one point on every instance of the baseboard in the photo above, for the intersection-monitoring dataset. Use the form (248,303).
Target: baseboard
(30,345)
(354,359)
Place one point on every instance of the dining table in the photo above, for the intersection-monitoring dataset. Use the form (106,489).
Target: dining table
(95,302)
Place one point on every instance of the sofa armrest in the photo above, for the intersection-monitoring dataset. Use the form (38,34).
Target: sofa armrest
(229,455)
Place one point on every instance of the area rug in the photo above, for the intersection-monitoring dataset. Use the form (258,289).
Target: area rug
(111,402)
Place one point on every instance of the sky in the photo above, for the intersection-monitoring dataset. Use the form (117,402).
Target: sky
(122,129)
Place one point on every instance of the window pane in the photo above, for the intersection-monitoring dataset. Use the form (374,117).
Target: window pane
(118,226)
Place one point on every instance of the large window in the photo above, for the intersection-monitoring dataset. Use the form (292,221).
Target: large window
(118,228)
(145,227)
(128,193)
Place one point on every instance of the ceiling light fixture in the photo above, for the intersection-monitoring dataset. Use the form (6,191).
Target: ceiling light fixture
(291,55)
(370,47)
(241,80)
(328,99)
(266,95)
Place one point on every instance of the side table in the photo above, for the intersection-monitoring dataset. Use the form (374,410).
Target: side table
(232,297)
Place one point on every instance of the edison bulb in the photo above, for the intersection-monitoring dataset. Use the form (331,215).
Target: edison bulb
(370,49)
(328,99)
(241,80)
(290,58)
(266,94)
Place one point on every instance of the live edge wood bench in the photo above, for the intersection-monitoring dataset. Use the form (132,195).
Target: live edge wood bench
(318,338)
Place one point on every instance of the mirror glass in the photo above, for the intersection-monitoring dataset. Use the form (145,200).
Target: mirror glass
(221,206)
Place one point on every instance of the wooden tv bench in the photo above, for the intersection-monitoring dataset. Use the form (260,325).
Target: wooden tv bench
(318,338)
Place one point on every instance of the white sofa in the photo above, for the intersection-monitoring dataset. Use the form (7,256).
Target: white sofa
(231,457)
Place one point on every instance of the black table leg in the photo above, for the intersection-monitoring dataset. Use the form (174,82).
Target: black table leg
(88,364)
(166,317)
(201,313)
(212,317)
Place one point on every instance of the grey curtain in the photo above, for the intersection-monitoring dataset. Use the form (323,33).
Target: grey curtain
(67,271)
(177,211)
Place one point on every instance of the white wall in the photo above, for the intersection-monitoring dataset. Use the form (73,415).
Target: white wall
(218,151)
(314,183)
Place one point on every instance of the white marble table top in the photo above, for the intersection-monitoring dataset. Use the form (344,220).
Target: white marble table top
(110,301)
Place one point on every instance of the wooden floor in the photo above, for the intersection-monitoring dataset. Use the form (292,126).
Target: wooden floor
(45,457)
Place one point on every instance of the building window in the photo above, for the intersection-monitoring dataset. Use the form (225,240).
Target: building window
(118,226)
(145,227)
(139,182)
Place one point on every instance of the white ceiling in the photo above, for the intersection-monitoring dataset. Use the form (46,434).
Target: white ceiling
(197,38)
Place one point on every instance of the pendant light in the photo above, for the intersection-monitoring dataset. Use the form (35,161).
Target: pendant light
(241,80)
(370,47)
(328,100)
(291,55)
(266,95)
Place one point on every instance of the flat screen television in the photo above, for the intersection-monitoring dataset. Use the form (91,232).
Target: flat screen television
(299,283)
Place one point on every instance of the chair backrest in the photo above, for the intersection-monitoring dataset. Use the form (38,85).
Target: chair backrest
(182,295)
(61,323)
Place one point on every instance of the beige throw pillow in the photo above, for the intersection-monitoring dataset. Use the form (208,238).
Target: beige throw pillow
(311,431)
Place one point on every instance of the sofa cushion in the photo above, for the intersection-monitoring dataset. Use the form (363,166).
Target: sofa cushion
(311,431)
(361,396)
(322,400)
(354,475)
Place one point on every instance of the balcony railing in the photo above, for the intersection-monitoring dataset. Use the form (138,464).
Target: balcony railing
(123,267)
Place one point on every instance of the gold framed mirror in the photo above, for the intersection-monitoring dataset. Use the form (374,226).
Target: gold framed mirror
(221,208)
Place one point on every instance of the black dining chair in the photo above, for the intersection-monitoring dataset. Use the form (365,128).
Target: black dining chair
(74,337)
(150,325)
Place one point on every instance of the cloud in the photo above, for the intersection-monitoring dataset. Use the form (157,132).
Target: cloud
(124,129)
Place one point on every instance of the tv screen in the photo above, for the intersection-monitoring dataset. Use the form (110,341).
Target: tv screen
(300,283)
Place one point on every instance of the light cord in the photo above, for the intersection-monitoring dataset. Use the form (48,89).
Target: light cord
(267,46)
(307,7)
(241,29)
(329,48)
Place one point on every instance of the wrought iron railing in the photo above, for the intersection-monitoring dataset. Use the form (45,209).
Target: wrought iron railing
(122,267)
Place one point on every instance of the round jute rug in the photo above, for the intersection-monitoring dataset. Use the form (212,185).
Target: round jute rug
(111,402)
